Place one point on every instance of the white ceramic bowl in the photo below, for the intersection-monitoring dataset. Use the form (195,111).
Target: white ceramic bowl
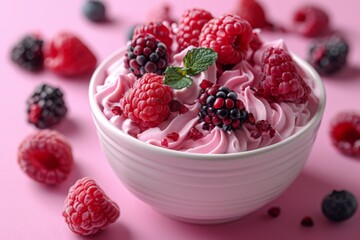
(204,188)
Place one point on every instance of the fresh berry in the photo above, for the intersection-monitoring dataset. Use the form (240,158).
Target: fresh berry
(345,132)
(46,106)
(145,54)
(339,205)
(219,107)
(310,21)
(328,55)
(161,13)
(158,30)
(46,157)
(28,53)
(229,36)
(253,12)
(307,222)
(147,103)
(94,10)
(274,212)
(67,55)
(173,136)
(87,209)
(191,23)
(281,81)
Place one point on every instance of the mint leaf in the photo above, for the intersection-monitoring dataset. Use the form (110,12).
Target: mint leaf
(198,60)
(176,78)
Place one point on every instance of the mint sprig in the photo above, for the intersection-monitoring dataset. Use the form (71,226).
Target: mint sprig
(195,61)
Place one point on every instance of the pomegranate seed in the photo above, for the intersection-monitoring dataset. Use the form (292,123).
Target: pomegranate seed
(116,110)
(195,134)
(183,109)
(164,142)
(205,84)
(219,103)
(173,136)
(307,222)
(175,106)
(274,212)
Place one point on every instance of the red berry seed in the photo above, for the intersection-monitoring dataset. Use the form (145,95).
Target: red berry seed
(274,212)
(195,134)
(173,136)
(164,142)
(116,110)
(307,222)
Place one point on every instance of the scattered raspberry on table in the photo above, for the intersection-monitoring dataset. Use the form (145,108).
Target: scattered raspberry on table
(46,157)
(88,209)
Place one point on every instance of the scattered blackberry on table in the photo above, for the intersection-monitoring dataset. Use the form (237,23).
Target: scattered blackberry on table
(310,21)
(190,25)
(28,53)
(46,157)
(145,54)
(228,36)
(328,55)
(94,10)
(339,205)
(46,106)
(281,81)
(345,132)
(87,208)
(219,107)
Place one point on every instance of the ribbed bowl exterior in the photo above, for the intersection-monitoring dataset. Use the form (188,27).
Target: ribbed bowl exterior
(200,188)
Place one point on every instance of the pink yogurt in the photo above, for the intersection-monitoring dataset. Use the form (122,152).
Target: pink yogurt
(285,118)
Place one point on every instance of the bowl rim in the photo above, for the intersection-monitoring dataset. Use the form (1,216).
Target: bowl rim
(98,114)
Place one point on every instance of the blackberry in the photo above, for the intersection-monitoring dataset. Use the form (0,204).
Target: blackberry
(220,107)
(339,205)
(46,106)
(145,54)
(94,10)
(328,55)
(28,53)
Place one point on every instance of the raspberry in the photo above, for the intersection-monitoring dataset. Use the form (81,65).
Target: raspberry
(147,103)
(339,205)
(280,80)
(46,106)
(220,107)
(161,13)
(328,55)
(253,12)
(345,133)
(145,54)
(28,53)
(46,157)
(87,209)
(229,36)
(67,55)
(191,23)
(158,30)
(310,20)
(94,10)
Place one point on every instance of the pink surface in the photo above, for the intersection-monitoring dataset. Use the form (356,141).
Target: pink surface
(33,211)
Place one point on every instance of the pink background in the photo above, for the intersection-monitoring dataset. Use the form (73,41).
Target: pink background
(29,210)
